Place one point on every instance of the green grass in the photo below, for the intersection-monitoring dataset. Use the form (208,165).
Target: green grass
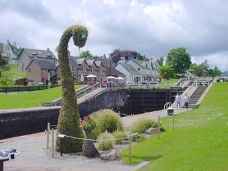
(29,99)
(199,141)
(11,74)
(167,83)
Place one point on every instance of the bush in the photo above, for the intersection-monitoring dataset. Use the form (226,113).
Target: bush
(119,136)
(105,141)
(89,126)
(138,138)
(142,125)
(107,120)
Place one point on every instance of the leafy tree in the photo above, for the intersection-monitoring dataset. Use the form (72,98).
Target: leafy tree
(179,60)
(200,70)
(160,61)
(204,70)
(166,72)
(3,64)
(86,54)
(214,72)
(69,119)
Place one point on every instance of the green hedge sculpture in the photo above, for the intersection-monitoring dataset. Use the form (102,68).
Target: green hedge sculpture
(69,118)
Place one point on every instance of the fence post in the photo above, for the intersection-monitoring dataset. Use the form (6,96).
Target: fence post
(130,149)
(159,126)
(48,132)
(52,143)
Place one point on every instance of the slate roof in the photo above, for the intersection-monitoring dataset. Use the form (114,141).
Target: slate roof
(26,52)
(133,67)
(43,63)
(34,52)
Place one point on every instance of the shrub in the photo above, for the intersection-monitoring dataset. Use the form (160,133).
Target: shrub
(89,126)
(105,141)
(107,120)
(119,136)
(142,125)
(138,138)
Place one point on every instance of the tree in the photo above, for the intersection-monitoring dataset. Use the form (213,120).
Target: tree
(3,63)
(166,72)
(214,72)
(179,60)
(200,70)
(204,70)
(86,54)
(160,61)
(69,119)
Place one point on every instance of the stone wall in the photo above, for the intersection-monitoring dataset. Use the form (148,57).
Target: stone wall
(21,122)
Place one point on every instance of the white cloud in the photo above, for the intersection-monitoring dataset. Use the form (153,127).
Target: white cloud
(151,27)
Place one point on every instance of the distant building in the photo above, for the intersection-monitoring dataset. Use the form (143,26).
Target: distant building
(137,71)
(23,56)
(38,64)
(40,71)
(101,67)
(118,55)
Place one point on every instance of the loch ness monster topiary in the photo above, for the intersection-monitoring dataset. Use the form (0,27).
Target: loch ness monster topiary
(69,118)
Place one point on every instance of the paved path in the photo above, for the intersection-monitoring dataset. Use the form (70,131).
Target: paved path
(34,157)
(129,120)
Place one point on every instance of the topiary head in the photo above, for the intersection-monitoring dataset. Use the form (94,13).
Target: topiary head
(80,34)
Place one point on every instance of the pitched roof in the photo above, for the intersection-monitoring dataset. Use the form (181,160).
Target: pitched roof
(35,52)
(26,52)
(43,63)
(134,67)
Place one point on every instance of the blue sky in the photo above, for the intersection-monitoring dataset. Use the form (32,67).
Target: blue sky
(151,27)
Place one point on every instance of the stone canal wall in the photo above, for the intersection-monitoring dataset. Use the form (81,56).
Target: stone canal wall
(127,101)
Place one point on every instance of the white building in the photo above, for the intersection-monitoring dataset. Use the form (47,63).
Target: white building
(137,71)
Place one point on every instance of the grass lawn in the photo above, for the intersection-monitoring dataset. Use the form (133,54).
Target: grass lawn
(167,83)
(29,99)
(199,141)
(8,76)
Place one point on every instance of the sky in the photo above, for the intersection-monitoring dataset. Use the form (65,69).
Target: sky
(151,27)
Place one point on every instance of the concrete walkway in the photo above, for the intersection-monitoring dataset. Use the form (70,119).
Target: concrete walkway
(128,121)
(34,157)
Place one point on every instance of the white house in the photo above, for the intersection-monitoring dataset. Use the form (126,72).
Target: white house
(137,71)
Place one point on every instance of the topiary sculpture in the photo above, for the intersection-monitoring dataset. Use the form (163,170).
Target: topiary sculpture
(69,119)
